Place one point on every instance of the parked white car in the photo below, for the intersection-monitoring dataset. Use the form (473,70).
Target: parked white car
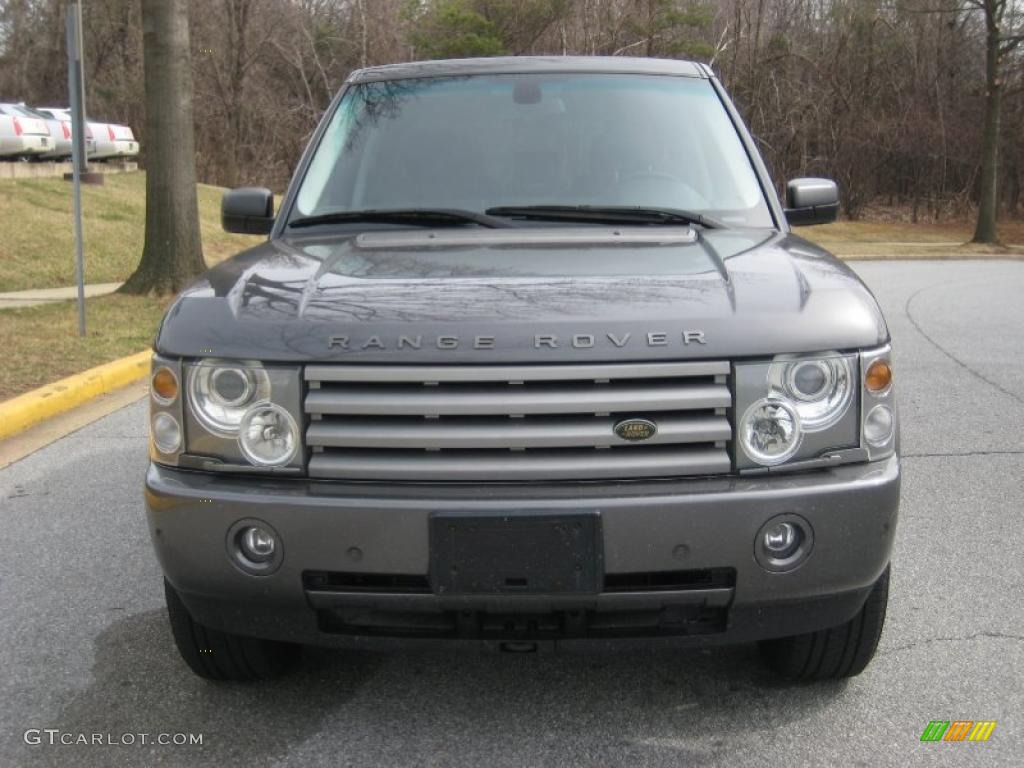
(120,142)
(108,139)
(22,134)
(59,123)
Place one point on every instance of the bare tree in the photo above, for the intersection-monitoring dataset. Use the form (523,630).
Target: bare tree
(172,254)
(998,44)
(886,96)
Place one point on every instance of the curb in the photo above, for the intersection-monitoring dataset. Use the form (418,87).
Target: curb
(23,411)
(928,256)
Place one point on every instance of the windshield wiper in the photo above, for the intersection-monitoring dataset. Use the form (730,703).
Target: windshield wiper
(418,216)
(607,214)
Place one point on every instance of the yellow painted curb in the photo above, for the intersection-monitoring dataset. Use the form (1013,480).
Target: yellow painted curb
(23,411)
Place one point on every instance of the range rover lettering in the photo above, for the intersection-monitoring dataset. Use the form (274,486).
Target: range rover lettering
(530,353)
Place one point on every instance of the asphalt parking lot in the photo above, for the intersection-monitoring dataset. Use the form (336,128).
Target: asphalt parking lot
(85,646)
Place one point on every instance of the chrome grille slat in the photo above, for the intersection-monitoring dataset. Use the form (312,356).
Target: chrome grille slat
(516,423)
(479,401)
(509,466)
(507,373)
(593,432)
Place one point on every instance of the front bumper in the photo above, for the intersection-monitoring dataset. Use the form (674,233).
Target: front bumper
(356,555)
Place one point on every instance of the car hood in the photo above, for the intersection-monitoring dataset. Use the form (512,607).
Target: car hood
(524,295)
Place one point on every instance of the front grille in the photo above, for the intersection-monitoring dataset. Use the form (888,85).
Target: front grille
(712,578)
(415,584)
(516,423)
(670,621)
(342,581)
(694,602)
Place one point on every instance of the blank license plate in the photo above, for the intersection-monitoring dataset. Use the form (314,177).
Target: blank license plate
(516,554)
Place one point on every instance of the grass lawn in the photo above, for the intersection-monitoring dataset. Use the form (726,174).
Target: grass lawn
(900,240)
(37,247)
(41,343)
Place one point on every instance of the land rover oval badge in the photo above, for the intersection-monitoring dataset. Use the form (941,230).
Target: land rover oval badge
(636,430)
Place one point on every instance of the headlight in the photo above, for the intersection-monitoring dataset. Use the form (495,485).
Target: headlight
(220,392)
(241,416)
(796,408)
(804,411)
(821,388)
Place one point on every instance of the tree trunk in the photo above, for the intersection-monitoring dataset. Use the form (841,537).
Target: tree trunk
(985,231)
(172,254)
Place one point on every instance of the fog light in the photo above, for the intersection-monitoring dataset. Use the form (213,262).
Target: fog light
(258,544)
(783,543)
(254,547)
(770,431)
(166,432)
(781,540)
(878,426)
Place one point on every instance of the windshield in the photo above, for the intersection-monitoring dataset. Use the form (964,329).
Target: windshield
(481,142)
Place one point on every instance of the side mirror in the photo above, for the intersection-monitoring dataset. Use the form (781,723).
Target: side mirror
(811,201)
(247,211)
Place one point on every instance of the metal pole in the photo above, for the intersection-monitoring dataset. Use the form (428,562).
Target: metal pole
(76,91)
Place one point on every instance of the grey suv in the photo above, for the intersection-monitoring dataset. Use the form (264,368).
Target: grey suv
(529,354)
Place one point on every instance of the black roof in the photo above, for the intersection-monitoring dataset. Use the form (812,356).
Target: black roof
(526,64)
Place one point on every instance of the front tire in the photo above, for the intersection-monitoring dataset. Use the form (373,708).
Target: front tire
(218,655)
(832,654)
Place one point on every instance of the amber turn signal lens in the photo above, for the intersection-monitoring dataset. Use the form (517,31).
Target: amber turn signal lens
(879,376)
(165,385)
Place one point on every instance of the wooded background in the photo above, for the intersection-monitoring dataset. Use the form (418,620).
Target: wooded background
(887,98)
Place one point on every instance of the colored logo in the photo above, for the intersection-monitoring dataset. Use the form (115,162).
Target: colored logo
(958,730)
(636,429)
